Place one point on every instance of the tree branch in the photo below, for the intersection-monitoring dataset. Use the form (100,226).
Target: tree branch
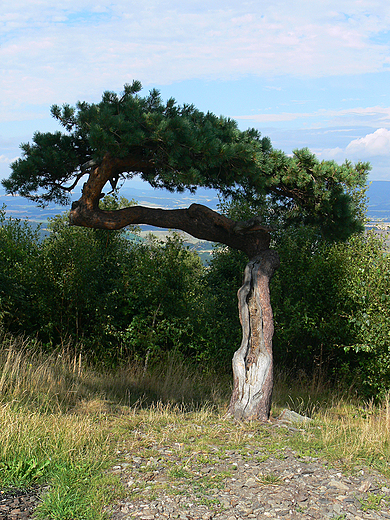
(197,220)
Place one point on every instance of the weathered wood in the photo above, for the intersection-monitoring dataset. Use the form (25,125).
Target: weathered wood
(253,361)
(197,220)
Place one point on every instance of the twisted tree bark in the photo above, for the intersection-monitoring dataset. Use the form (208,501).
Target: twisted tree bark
(253,362)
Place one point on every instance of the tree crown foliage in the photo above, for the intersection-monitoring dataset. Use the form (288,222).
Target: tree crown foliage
(181,148)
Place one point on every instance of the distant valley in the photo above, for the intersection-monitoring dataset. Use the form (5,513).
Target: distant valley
(18,207)
(379,201)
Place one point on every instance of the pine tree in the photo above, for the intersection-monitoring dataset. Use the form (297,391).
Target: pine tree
(180,148)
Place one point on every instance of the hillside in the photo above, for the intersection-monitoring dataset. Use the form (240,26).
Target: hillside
(379,200)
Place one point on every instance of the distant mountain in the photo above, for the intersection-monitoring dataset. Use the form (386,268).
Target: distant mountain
(18,207)
(379,201)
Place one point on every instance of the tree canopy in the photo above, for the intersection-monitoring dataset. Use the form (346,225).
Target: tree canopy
(180,148)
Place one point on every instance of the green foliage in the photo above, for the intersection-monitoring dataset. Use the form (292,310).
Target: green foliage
(162,301)
(145,299)
(23,472)
(330,300)
(330,303)
(222,325)
(366,285)
(304,190)
(79,279)
(180,148)
(18,264)
(177,147)
(330,308)
(116,296)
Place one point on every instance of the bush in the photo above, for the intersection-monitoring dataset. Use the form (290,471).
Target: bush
(330,308)
(19,260)
(330,304)
(162,300)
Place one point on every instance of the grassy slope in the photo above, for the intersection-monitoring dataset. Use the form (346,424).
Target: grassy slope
(62,424)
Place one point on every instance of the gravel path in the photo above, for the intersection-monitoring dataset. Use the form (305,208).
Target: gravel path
(18,505)
(256,480)
(246,484)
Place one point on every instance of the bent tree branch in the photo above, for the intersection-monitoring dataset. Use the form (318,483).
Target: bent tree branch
(197,220)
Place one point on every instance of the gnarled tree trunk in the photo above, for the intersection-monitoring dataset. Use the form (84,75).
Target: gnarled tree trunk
(252,362)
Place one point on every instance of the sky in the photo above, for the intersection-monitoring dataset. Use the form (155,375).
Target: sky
(306,73)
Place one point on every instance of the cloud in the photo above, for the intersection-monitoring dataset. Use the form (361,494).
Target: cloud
(373,148)
(367,116)
(372,145)
(56,52)
(5,162)
(4,159)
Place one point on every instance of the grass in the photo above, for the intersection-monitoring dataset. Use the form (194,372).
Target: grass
(63,424)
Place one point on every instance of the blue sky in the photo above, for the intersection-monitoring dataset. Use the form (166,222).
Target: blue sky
(305,73)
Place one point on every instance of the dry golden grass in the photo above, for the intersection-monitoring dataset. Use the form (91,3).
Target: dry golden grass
(356,433)
(34,434)
(64,381)
(345,429)
(57,413)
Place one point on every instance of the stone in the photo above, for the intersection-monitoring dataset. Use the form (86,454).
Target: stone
(365,486)
(289,416)
(339,485)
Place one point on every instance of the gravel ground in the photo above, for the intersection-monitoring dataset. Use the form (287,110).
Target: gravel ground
(246,484)
(18,505)
(257,480)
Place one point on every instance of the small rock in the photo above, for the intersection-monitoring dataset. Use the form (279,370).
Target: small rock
(292,417)
(338,485)
(251,482)
(365,486)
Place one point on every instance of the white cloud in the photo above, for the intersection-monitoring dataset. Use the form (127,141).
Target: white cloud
(7,160)
(57,52)
(372,145)
(367,116)
(373,148)
(336,154)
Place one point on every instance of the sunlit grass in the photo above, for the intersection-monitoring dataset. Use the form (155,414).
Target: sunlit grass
(61,420)
(63,423)
(65,381)
(357,434)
